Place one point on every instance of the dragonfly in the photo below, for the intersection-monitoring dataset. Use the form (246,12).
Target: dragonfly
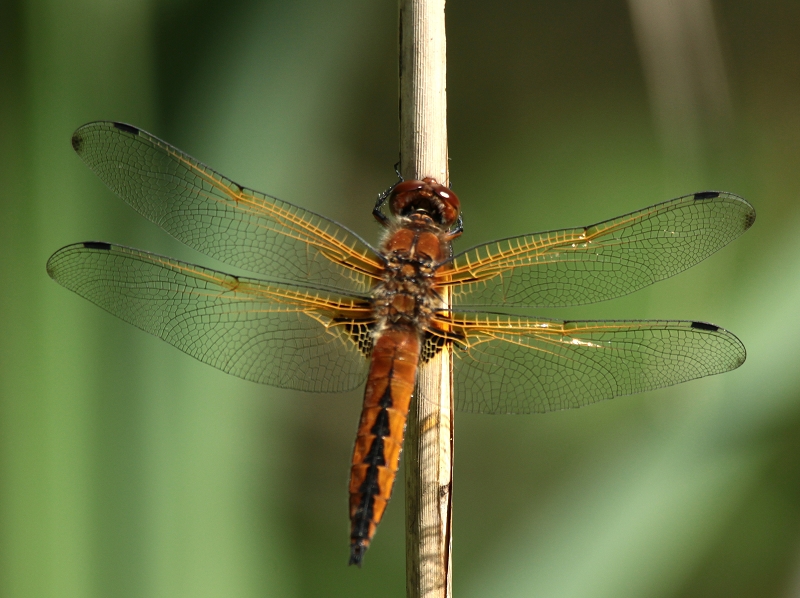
(328,312)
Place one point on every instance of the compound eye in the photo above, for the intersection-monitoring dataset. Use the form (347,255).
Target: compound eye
(451,206)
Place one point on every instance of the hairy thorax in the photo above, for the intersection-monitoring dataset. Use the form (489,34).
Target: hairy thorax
(405,297)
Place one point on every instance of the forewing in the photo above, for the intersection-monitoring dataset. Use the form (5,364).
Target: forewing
(288,336)
(598,262)
(220,218)
(509,364)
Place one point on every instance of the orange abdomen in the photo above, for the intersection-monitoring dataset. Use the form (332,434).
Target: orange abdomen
(376,456)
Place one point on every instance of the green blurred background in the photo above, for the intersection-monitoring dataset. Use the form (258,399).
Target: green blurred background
(127,469)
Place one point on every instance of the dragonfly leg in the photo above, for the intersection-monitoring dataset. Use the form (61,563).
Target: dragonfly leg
(377,211)
(457,230)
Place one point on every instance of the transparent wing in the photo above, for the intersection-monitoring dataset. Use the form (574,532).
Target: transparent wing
(598,262)
(205,210)
(283,335)
(509,364)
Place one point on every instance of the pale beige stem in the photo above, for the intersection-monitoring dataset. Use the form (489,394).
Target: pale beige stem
(429,438)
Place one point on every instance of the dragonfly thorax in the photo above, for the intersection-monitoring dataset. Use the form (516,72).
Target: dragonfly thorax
(405,296)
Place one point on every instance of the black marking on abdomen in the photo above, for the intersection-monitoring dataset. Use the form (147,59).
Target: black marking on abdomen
(374,458)
(380,429)
(97,245)
(705,326)
(381,425)
(706,195)
(386,399)
(368,489)
(127,128)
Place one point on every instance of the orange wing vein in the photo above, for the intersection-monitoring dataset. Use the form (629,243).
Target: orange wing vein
(601,261)
(510,364)
(290,336)
(220,218)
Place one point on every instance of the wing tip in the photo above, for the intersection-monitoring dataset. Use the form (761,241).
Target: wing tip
(53,260)
(77,141)
(51,265)
(741,350)
(749,218)
(749,213)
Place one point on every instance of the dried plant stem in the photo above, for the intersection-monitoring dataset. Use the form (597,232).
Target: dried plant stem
(429,438)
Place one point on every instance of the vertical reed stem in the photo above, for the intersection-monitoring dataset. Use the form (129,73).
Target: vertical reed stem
(429,438)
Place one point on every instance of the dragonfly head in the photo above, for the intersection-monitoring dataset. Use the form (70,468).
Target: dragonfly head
(426,196)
